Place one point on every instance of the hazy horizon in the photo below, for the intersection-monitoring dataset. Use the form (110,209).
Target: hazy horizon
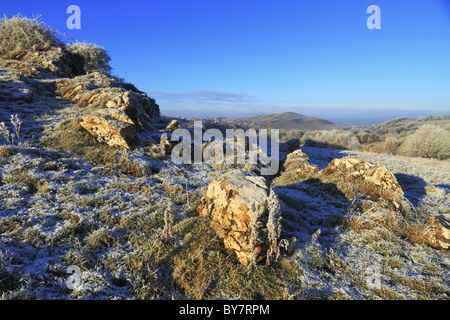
(359,120)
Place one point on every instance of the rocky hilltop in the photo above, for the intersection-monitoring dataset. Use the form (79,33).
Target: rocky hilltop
(111,111)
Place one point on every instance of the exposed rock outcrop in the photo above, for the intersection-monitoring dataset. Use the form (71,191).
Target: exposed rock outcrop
(296,168)
(111,126)
(114,114)
(228,202)
(352,177)
(100,91)
(299,161)
(440,232)
(172,126)
(370,180)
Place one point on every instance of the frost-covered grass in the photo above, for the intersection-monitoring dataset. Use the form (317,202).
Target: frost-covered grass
(351,241)
(58,209)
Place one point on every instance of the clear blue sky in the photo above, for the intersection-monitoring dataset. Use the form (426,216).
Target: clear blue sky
(235,57)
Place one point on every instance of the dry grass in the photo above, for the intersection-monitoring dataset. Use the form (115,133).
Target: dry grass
(100,238)
(70,135)
(391,222)
(23,175)
(205,270)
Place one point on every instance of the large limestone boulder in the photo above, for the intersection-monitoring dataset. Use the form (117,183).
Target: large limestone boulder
(111,126)
(354,178)
(228,201)
(366,179)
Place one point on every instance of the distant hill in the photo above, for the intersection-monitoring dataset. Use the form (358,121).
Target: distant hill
(404,126)
(286,121)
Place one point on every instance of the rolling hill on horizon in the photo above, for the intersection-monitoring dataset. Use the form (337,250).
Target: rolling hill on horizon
(286,120)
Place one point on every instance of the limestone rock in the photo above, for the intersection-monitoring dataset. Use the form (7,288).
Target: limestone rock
(165,144)
(440,232)
(373,180)
(227,201)
(296,168)
(172,126)
(110,126)
(100,91)
(297,155)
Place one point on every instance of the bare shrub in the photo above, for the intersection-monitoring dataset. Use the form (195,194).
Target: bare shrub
(9,136)
(390,145)
(429,141)
(19,35)
(4,131)
(331,139)
(96,58)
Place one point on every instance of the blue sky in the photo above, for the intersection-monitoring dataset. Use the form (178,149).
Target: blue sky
(248,57)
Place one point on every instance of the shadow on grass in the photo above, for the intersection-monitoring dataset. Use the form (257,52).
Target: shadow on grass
(413,187)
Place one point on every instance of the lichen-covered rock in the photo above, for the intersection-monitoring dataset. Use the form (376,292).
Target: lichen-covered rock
(111,126)
(440,232)
(228,202)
